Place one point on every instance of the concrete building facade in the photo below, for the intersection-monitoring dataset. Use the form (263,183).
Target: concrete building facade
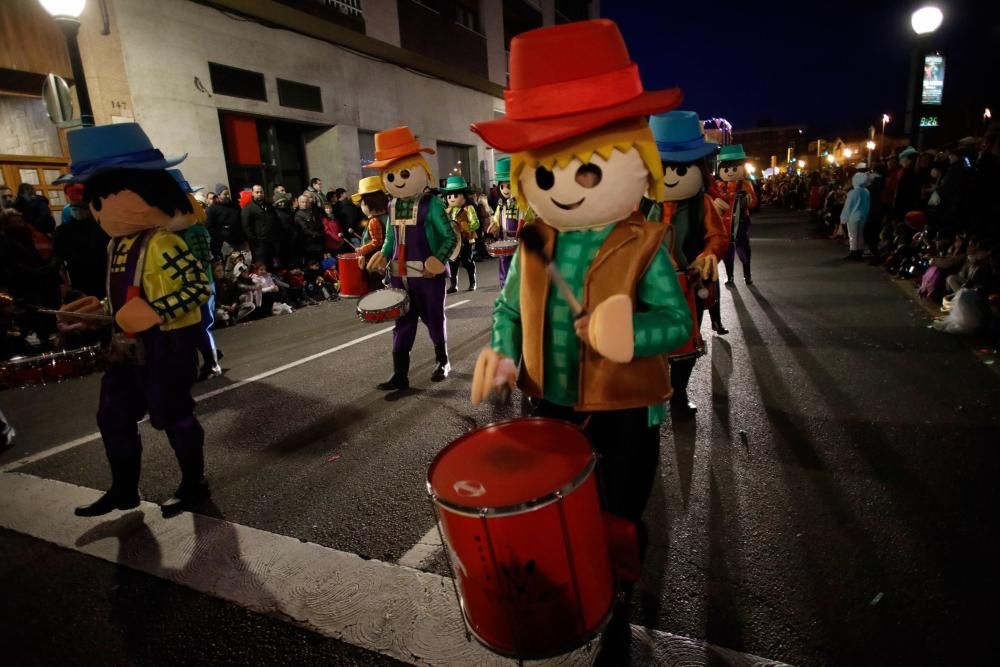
(276,92)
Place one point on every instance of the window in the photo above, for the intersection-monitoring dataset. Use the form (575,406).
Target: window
(299,95)
(467,14)
(236,82)
(366,147)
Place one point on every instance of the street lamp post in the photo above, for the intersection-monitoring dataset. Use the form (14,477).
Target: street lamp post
(885,120)
(925,22)
(67,16)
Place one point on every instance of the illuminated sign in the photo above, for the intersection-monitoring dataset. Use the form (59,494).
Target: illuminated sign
(933,80)
(928,121)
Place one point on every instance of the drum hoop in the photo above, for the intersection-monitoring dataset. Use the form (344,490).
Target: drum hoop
(585,639)
(517,508)
(360,313)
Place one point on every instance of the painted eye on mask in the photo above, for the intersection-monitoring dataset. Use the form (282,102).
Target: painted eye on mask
(544,178)
(681,171)
(391,177)
(405,174)
(589,175)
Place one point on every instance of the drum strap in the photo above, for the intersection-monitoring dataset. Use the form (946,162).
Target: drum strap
(400,244)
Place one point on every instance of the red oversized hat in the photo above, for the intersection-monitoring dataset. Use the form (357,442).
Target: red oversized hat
(566,80)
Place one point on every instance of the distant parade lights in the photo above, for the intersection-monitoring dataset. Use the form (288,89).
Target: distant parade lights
(926,20)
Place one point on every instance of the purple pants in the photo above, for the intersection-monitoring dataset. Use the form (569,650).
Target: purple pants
(161,386)
(504,266)
(741,247)
(427,296)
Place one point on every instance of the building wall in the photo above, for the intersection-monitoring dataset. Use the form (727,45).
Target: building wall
(167,45)
(26,128)
(436,35)
(382,20)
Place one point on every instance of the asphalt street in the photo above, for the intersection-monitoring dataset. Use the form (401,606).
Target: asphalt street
(832,503)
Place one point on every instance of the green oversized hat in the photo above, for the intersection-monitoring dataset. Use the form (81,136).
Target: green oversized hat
(455,184)
(503,169)
(732,152)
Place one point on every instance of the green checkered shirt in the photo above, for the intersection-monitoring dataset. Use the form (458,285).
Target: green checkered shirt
(405,208)
(661,322)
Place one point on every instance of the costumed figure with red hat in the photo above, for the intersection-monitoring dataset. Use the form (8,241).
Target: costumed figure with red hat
(591,305)
(696,236)
(464,219)
(507,217)
(741,197)
(419,242)
(156,287)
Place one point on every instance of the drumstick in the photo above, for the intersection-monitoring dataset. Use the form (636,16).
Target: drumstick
(69,313)
(532,240)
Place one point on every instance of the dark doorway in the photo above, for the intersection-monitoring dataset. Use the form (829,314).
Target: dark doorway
(264,151)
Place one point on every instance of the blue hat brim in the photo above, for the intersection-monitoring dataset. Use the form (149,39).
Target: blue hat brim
(690,155)
(84,176)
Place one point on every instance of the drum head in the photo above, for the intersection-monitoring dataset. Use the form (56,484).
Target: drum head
(506,465)
(382,299)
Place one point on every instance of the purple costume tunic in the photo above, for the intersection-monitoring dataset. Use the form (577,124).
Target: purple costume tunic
(427,295)
(508,231)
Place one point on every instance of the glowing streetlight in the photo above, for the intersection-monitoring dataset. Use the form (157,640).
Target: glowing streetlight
(802,164)
(749,168)
(987,114)
(926,20)
(67,16)
(830,159)
(848,153)
(885,121)
(870,145)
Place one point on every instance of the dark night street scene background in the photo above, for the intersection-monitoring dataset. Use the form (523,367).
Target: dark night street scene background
(424,332)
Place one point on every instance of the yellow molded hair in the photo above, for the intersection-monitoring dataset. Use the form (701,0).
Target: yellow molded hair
(410,161)
(624,136)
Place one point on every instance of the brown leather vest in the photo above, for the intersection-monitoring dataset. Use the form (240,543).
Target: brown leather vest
(619,265)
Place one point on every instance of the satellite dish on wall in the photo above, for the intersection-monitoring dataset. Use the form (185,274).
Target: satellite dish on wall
(58,102)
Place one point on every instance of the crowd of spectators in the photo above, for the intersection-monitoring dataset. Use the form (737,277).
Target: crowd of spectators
(269,255)
(928,216)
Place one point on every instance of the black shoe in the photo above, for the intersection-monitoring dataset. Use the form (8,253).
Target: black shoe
(719,329)
(109,502)
(730,283)
(749,281)
(443,367)
(400,373)
(187,495)
(682,408)
(472,287)
(453,289)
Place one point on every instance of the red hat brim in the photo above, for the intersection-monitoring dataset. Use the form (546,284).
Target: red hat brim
(513,136)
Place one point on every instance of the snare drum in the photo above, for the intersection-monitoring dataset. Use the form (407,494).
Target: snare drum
(50,367)
(383,305)
(518,509)
(694,346)
(504,248)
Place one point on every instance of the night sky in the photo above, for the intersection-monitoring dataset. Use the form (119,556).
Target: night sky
(835,66)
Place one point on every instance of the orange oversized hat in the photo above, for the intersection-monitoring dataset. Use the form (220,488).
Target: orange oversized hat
(566,80)
(393,144)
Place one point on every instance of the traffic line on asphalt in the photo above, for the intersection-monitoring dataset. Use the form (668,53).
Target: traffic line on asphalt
(52,451)
(400,612)
(423,551)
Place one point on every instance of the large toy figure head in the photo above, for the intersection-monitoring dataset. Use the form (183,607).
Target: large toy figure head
(126,179)
(405,173)
(370,196)
(582,152)
(680,139)
(732,163)
(456,191)
(503,176)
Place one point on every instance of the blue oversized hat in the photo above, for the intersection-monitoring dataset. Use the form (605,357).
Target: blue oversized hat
(181,181)
(680,136)
(93,150)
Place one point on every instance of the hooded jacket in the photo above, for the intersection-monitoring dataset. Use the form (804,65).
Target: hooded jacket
(858,200)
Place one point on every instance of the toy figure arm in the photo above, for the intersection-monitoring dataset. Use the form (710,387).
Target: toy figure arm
(716,237)
(506,338)
(375,237)
(664,322)
(390,240)
(174,282)
(441,234)
(473,218)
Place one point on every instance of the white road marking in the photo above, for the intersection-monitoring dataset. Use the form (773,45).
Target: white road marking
(44,454)
(396,611)
(422,551)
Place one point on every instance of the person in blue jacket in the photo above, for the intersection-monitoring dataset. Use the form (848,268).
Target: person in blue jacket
(855,213)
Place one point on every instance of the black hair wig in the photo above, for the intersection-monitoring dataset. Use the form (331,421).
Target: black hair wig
(155,186)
